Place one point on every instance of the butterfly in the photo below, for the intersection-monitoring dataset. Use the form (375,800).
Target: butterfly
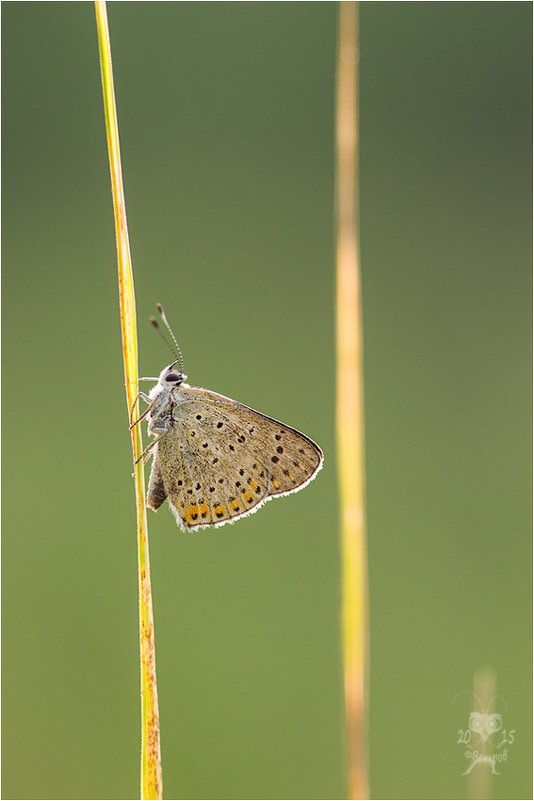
(214,459)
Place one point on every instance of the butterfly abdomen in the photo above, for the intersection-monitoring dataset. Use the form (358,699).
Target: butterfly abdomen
(156,489)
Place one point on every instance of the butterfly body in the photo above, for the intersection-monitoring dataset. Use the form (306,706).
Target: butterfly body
(215,459)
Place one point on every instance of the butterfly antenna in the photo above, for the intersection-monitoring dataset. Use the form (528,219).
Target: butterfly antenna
(174,350)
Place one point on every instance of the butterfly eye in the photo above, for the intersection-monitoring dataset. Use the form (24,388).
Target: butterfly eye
(172,377)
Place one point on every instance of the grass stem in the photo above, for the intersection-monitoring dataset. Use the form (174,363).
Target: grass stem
(151,779)
(349,411)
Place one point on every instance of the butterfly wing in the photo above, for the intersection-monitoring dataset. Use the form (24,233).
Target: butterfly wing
(221,460)
(208,476)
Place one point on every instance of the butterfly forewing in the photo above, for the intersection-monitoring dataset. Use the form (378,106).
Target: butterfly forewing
(291,458)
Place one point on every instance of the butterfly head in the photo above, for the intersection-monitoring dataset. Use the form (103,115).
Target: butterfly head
(170,377)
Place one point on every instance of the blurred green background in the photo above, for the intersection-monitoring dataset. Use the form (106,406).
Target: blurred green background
(226,121)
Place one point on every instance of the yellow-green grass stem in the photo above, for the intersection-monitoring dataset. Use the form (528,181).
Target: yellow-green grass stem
(151,779)
(349,408)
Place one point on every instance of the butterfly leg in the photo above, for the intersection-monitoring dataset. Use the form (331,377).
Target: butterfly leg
(149,447)
(146,398)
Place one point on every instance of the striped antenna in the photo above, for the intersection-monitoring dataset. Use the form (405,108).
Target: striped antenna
(176,350)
